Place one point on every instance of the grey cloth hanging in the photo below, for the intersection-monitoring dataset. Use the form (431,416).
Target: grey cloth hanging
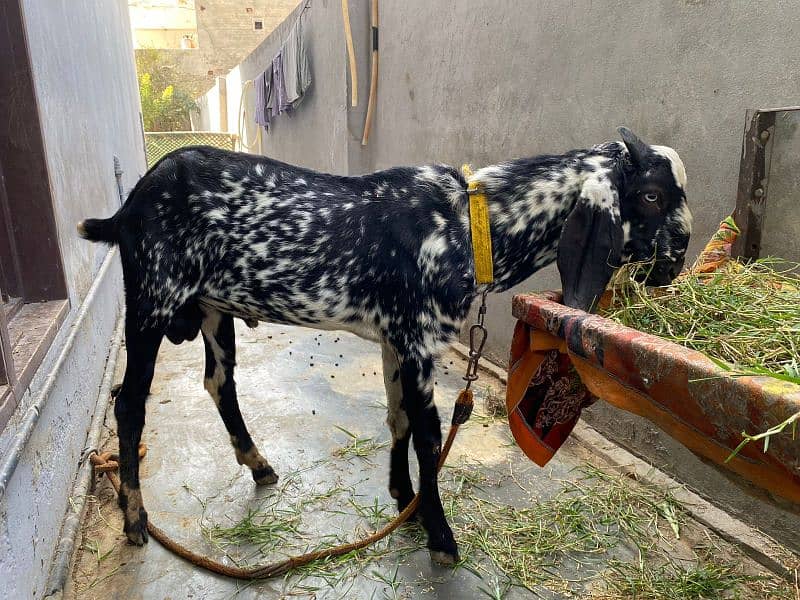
(296,68)
(280,102)
(263,88)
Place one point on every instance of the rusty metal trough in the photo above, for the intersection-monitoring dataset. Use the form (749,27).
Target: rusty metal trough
(579,357)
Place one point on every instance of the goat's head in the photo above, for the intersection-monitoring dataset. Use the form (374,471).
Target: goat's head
(643,216)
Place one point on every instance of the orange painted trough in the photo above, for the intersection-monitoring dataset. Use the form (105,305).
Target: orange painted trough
(562,359)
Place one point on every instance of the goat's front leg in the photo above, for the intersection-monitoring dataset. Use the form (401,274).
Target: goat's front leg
(129,410)
(400,486)
(416,377)
(220,342)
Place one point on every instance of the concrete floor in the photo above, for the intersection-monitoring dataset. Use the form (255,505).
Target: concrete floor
(299,390)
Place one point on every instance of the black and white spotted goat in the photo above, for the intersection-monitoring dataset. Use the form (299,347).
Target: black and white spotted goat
(208,235)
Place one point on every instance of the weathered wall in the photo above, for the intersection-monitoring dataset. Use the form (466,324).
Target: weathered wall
(781,231)
(89,106)
(85,82)
(489,80)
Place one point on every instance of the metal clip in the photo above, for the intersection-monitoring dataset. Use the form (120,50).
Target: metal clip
(477,340)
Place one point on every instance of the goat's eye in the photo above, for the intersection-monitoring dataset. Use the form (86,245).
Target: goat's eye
(651,197)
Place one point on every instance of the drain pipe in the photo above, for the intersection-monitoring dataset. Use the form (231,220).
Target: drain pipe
(71,526)
(118,175)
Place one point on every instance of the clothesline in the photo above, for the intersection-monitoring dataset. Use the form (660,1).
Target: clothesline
(306,6)
(281,86)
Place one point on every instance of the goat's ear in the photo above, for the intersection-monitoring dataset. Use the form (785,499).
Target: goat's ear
(590,247)
(636,147)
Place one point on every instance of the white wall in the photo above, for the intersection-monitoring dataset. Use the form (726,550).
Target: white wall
(84,77)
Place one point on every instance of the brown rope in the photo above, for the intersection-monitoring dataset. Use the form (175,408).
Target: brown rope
(108,463)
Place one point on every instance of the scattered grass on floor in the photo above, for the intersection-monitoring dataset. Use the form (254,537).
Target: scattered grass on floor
(275,524)
(100,579)
(596,519)
(267,530)
(392,581)
(495,589)
(673,582)
(92,546)
(359,447)
(494,403)
(585,521)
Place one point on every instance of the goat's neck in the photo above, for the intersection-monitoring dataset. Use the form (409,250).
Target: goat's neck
(529,201)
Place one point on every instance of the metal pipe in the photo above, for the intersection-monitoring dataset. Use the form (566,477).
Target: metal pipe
(72,522)
(118,175)
(31,418)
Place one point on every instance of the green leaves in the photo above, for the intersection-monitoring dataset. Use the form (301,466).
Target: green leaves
(166,94)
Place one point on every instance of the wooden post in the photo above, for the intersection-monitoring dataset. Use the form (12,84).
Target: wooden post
(373,82)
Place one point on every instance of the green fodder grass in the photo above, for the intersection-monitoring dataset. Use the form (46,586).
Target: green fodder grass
(747,315)
(674,582)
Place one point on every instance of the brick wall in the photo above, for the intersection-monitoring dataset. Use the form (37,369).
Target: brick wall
(225,35)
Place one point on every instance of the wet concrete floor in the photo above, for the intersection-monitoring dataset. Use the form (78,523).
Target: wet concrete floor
(315,406)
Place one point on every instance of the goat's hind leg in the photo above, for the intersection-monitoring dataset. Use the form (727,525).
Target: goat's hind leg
(220,343)
(416,378)
(129,410)
(400,486)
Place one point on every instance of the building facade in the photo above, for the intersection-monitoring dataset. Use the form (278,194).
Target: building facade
(203,39)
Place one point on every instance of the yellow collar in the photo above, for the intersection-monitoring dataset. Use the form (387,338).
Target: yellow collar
(479,226)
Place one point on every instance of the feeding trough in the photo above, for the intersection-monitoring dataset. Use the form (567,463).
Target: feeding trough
(562,359)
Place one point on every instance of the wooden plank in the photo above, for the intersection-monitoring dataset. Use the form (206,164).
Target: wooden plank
(32,331)
(10,281)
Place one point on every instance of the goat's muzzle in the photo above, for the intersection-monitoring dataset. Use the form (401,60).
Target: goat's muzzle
(664,271)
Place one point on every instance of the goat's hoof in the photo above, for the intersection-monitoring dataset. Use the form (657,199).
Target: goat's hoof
(444,558)
(443,549)
(265,476)
(137,530)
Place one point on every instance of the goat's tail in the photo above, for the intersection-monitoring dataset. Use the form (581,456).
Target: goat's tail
(99,230)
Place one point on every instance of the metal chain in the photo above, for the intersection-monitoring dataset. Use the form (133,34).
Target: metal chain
(477,340)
